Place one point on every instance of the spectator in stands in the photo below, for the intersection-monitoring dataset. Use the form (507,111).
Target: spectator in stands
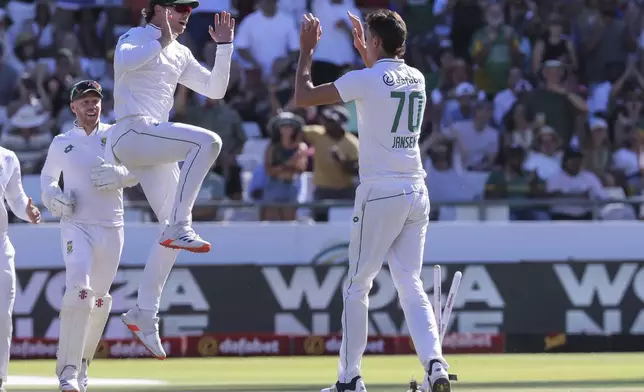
(58,84)
(26,56)
(217,116)
(495,50)
(557,106)
(628,112)
(612,87)
(505,99)
(251,99)
(519,128)
(335,50)
(475,140)
(545,157)
(628,161)
(466,96)
(514,183)
(445,179)
(9,79)
(285,159)
(335,160)
(26,135)
(444,98)
(212,188)
(608,40)
(597,150)
(265,36)
(467,18)
(575,183)
(554,46)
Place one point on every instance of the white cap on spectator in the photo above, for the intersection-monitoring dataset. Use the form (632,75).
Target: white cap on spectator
(465,89)
(28,116)
(546,130)
(597,123)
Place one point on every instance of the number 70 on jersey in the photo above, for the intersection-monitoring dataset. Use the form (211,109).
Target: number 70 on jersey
(414,101)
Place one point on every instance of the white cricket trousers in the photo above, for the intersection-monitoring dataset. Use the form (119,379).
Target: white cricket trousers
(389,223)
(151,151)
(7,299)
(140,143)
(91,254)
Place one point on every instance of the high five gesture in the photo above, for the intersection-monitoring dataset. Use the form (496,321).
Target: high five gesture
(224,30)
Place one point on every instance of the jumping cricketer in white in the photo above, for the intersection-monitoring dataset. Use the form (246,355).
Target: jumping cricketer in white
(91,212)
(21,205)
(148,64)
(391,210)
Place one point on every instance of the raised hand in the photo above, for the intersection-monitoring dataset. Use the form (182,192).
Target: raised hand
(224,30)
(358,32)
(166,30)
(310,32)
(32,212)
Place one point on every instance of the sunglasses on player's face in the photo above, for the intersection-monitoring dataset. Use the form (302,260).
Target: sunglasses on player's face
(182,8)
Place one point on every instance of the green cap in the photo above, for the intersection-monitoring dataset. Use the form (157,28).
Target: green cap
(83,87)
(192,3)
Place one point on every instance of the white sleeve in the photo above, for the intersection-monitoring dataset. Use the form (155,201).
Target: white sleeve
(351,86)
(213,84)
(50,175)
(15,194)
(131,53)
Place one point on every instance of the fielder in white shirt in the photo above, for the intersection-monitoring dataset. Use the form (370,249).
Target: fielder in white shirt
(91,226)
(21,205)
(391,210)
(148,65)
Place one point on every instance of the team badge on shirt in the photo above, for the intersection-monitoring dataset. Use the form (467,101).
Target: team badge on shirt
(70,247)
(103,141)
(68,148)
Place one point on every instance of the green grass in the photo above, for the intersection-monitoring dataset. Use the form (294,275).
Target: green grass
(509,373)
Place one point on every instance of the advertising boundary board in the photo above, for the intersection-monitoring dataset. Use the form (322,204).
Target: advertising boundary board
(515,299)
(252,345)
(278,243)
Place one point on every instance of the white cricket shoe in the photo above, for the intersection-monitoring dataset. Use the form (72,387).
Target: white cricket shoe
(68,379)
(2,386)
(356,385)
(83,380)
(183,237)
(146,328)
(438,377)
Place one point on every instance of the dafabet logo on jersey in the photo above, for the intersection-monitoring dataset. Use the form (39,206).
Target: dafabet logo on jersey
(70,247)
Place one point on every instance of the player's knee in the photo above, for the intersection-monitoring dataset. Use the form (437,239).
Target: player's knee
(210,143)
(79,297)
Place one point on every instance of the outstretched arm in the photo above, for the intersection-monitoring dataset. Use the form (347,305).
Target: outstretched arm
(50,175)
(305,93)
(213,84)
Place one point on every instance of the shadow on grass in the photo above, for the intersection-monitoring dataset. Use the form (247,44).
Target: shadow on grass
(554,385)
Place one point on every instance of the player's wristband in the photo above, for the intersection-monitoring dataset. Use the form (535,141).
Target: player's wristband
(224,43)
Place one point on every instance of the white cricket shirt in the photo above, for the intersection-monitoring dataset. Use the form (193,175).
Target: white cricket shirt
(146,75)
(11,188)
(75,153)
(390,101)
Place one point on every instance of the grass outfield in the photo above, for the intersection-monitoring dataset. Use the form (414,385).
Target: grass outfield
(509,373)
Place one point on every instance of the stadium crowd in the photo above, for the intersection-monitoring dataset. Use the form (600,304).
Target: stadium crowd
(526,99)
